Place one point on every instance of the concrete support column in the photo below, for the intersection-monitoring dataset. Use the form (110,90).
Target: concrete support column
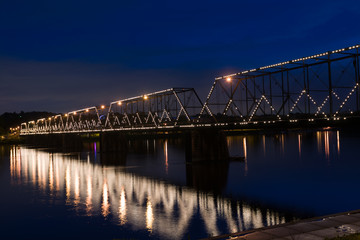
(113,142)
(114,148)
(206,145)
(71,142)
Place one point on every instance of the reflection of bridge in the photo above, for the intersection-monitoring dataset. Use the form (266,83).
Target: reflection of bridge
(140,202)
(319,88)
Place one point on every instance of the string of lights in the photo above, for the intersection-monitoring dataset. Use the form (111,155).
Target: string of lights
(303,59)
(347,98)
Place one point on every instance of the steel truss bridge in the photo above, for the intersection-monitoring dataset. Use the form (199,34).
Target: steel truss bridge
(321,87)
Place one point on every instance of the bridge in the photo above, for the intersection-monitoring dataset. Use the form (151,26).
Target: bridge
(314,89)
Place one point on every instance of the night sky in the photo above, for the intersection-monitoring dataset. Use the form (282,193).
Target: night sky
(64,55)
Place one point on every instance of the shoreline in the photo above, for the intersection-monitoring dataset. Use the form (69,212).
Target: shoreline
(322,227)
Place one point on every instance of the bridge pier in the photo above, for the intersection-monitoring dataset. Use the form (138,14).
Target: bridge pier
(113,148)
(206,144)
(71,142)
(113,158)
(207,156)
(207,176)
(63,142)
(113,142)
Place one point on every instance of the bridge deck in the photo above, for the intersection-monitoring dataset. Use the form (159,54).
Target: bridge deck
(349,121)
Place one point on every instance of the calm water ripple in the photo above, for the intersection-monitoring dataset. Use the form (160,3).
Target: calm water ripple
(152,193)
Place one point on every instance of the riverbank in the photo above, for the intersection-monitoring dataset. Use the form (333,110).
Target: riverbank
(12,138)
(325,227)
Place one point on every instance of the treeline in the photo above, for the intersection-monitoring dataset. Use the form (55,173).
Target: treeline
(12,120)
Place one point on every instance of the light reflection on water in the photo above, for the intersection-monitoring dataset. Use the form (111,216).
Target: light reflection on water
(239,145)
(153,193)
(131,200)
(122,208)
(314,173)
(149,215)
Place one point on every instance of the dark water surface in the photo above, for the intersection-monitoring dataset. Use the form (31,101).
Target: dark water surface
(152,193)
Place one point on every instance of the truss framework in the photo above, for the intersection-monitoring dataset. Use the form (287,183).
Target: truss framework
(321,86)
(170,107)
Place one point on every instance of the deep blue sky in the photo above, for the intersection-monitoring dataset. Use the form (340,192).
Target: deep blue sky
(63,55)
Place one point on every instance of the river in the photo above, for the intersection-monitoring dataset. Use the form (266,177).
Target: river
(151,192)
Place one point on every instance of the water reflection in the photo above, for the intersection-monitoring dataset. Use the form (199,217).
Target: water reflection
(105,201)
(67,186)
(328,141)
(166,156)
(244,144)
(51,176)
(127,199)
(338,142)
(264,144)
(149,216)
(122,208)
(327,150)
(283,144)
(299,145)
(327,144)
(88,201)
